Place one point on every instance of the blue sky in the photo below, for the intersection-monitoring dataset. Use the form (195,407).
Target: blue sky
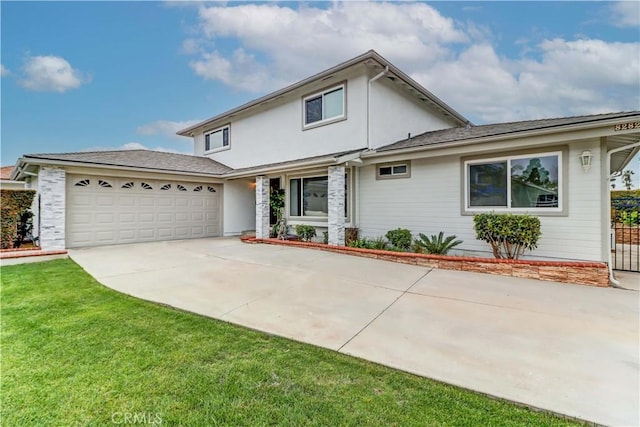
(108,75)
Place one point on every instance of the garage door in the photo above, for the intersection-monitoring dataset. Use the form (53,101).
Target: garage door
(105,211)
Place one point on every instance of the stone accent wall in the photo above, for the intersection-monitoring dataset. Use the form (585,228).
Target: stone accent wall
(581,273)
(51,188)
(262,207)
(336,205)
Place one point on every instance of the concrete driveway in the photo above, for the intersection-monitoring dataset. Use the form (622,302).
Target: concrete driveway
(566,348)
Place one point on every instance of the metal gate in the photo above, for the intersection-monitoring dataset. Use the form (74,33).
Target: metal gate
(625,233)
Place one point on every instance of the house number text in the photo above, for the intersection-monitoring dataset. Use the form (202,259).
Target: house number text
(625,126)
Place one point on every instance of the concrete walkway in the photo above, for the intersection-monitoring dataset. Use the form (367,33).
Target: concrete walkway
(566,348)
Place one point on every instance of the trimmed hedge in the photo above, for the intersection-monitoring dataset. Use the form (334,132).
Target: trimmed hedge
(14,203)
(508,234)
(615,194)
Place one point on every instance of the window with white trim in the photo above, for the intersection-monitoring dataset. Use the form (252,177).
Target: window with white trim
(531,182)
(309,196)
(394,170)
(217,139)
(326,106)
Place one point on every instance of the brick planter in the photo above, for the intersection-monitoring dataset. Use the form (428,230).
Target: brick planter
(581,273)
(627,234)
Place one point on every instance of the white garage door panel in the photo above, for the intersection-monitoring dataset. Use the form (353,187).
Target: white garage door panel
(128,235)
(105,210)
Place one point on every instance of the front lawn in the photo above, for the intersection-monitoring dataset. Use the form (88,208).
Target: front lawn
(77,353)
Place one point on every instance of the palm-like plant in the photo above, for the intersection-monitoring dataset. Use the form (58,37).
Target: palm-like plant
(438,245)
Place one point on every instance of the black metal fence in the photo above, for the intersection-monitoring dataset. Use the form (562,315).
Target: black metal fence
(625,233)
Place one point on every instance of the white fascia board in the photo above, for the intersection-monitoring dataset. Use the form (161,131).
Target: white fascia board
(370,55)
(533,137)
(23,162)
(282,168)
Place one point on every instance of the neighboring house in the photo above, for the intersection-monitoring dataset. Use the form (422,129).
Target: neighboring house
(358,145)
(5,179)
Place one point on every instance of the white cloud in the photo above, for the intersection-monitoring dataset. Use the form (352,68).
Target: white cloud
(51,74)
(276,45)
(165,128)
(570,78)
(282,44)
(4,71)
(625,14)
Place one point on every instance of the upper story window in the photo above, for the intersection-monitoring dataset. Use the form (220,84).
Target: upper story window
(326,106)
(217,139)
(531,182)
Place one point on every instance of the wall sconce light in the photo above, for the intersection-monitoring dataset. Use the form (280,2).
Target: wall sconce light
(585,160)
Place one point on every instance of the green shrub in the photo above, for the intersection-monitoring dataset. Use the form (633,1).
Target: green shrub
(436,244)
(14,203)
(378,243)
(508,234)
(305,232)
(399,238)
(276,203)
(351,234)
(325,237)
(629,217)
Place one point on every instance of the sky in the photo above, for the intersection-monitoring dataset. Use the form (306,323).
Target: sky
(81,76)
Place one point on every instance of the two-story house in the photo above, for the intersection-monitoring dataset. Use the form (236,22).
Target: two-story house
(358,145)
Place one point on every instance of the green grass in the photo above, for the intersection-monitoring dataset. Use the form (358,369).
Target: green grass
(77,353)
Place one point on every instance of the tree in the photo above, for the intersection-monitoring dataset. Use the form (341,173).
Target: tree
(535,173)
(626,179)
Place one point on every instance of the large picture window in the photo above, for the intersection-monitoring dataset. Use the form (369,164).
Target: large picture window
(216,139)
(324,106)
(309,197)
(527,182)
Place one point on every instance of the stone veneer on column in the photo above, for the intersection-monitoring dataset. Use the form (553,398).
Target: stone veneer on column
(336,205)
(262,207)
(51,188)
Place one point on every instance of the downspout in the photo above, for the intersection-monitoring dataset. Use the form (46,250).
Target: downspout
(609,176)
(373,79)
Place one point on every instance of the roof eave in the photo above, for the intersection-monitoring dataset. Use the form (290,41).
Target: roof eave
(499,137)
(370,55)
(27,160)
(342,66)
(282,168)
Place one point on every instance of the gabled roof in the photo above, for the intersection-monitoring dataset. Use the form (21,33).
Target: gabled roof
(370,56)
(462,134)
(325,159)
(139,159)
(5,172)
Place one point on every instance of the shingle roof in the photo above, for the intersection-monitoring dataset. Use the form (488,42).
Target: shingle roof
(480,131)
(326,158)
(142,159)
(5,172)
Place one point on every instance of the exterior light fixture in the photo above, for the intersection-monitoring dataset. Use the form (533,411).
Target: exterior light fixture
(585,160)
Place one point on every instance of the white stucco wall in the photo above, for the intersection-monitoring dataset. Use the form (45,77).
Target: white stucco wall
(276,134)
(239,206)
(430,201)
(395,114)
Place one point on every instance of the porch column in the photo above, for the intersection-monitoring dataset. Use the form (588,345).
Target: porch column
(336,205)
(262,207)
(51,188)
